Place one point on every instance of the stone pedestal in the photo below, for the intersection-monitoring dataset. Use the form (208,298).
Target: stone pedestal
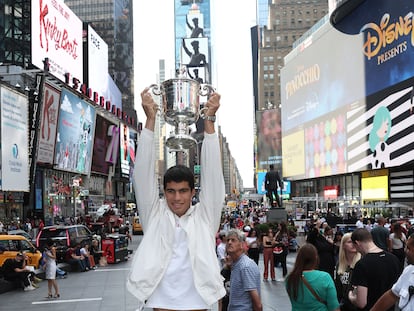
(276,215)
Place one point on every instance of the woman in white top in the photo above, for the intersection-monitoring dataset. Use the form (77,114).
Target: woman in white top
(50,269)
(253,245)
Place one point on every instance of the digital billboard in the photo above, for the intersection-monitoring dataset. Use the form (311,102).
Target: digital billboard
(74,139)
(105,145)
(374,185)
(124,150)
(97,76)
(347,106)
(48,124)
(14,141)
(269,139)
(56,35)
(194,52)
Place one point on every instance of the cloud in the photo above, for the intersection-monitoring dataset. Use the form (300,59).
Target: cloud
(66,105)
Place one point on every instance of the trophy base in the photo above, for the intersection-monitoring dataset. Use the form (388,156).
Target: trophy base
(181,142)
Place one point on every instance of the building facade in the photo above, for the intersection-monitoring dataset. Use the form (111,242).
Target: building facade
(113,21)
(347,125)
(287,21)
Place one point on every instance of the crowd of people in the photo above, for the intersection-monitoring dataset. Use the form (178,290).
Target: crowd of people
(368,268)
(365,267)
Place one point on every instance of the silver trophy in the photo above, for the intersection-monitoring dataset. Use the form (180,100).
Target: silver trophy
(180,107)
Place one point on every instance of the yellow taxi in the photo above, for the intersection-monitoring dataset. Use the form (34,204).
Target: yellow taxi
(136,226)
(14,244)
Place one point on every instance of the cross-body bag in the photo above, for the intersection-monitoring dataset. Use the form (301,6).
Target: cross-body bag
(313,291)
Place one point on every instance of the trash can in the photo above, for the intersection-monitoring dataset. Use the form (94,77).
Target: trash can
(115,248)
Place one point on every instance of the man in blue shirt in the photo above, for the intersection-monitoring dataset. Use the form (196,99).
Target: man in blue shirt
(245,275)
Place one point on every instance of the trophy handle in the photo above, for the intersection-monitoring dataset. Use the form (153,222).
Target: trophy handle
(156,89)
(206,90)
(202,112)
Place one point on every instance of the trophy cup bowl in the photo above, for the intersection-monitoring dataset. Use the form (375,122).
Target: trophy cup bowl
(180,107)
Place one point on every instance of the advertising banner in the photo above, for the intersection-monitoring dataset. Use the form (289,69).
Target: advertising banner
(124,150)
(353,100)
(194,52)
(48,119)
(14,141)
(269,139)
(56,35)
(106,138)
(75,134)
(97,63)
(133,140)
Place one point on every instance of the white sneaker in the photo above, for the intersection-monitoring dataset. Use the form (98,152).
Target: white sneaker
(30,287)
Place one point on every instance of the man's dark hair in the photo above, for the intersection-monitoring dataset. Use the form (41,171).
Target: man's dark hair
(271,166)
(361,235)
(178,174)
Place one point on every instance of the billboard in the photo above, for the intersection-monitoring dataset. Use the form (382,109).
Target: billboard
(56,35)
(132,144)
(97,78)
(285,192)
(374,185)
(75,134)
(14,141)
(124,150)
(48,124)
(347,107)
(106,142)
(194,52)
(269,139)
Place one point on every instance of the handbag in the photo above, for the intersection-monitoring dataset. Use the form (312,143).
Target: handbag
(277,250)
(313,291)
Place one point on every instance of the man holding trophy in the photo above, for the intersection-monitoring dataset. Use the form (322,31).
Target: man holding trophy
(175,266)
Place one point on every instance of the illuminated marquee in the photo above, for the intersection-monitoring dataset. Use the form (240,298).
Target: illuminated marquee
(383,35)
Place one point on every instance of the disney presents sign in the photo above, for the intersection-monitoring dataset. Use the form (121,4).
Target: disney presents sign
(56,35)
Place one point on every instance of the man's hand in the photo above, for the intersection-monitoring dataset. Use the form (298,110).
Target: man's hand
(150,108)
(212,106)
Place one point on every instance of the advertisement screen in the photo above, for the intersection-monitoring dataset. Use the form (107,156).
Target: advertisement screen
(132,144)
(269,138)
(347,106)
(97,63)
(56,35)
(75,134)
(48,124)
(103,144)
(124,150)
(374,185)
(14,141)
(194,52)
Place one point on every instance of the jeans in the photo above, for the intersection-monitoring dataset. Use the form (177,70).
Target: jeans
(268,260)
(81,263)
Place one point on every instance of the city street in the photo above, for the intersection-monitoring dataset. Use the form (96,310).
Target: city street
(104,289)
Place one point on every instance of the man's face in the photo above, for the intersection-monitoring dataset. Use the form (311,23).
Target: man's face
(178,197)
(234,246)
(358,247)
(409,252)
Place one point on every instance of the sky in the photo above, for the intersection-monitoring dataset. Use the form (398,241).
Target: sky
(231,68)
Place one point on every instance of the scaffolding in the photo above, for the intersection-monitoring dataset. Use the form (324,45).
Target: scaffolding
(15,38)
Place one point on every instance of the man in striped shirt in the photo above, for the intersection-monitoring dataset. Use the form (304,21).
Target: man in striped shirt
(245,275)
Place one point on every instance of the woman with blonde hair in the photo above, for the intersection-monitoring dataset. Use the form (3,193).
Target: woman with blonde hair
(308,288)
(348,257)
